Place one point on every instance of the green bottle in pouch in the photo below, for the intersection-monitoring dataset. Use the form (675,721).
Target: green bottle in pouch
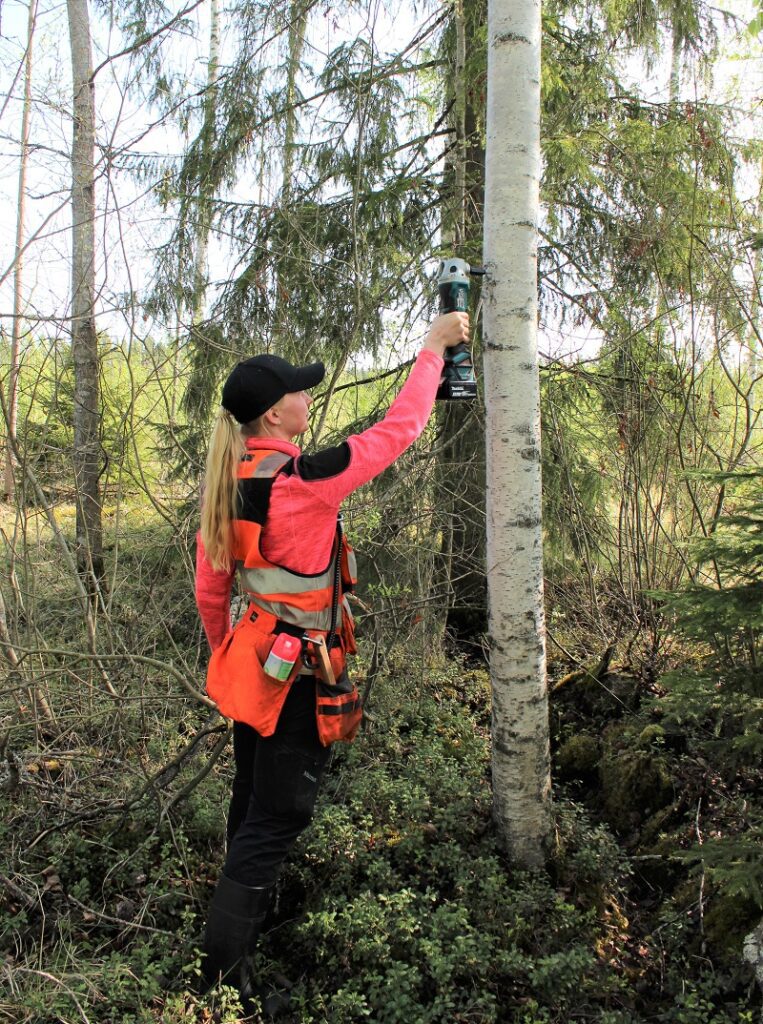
(283,654)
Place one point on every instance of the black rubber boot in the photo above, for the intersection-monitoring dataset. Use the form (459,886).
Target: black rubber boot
(235,919)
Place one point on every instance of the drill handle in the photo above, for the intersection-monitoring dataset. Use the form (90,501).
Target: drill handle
(459,354)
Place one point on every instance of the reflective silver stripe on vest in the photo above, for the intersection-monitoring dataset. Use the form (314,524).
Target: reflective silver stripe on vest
(352,564)
(303,619)
(295,616)
(281,581)
(270,465)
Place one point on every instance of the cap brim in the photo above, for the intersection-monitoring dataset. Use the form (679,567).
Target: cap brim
(309,376)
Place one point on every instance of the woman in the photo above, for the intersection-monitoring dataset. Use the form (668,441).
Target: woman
(272,513)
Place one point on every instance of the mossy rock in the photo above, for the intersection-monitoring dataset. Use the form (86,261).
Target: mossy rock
(579,757)
(635,785)
(584,693)
(727,920)
(655,836)
(651,736)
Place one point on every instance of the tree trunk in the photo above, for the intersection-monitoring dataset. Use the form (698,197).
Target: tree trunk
(297,15)
(297,27)
(459,110)
(461,469)
(754,331)
(521,774)
(18,271)
(206,193)
(84,338)
(676,45)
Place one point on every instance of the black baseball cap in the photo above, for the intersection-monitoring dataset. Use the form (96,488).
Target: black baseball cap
(256,384)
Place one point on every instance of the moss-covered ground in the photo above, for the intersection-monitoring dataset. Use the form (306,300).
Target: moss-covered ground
(397,906)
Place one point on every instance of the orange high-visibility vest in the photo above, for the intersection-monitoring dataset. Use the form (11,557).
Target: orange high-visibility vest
(281,601)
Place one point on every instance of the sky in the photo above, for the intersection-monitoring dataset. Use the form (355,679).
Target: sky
(130,224)
(123,204)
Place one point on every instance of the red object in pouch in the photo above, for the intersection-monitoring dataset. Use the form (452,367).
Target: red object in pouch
(283,654)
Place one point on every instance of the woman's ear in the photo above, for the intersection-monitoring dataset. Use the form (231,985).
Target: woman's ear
(272,415)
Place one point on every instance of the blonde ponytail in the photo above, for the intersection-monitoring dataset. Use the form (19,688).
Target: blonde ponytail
(220,490)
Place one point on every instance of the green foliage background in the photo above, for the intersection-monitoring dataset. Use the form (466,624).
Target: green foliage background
(398,904)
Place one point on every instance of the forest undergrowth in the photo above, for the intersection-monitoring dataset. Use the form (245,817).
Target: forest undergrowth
(397,906)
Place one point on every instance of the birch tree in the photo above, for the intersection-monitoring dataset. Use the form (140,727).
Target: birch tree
(84,338)
(521,774)
(18,272)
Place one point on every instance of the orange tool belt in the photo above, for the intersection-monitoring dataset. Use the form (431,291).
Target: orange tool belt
(239,686)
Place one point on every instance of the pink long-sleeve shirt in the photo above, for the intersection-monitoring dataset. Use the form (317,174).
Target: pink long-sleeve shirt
(301,521)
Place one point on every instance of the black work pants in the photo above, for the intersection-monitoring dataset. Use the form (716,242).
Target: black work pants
(274,789)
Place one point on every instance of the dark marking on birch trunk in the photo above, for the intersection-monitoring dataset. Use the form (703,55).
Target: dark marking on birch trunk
(494,346)
(509,37)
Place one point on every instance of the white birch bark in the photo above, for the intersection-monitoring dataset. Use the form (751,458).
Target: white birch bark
(84,338)
(676,42)
(521,775)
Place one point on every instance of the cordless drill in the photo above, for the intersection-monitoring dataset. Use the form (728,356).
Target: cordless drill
(458,380)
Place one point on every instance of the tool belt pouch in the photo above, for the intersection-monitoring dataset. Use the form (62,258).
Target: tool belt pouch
(237,683)
(338,708)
